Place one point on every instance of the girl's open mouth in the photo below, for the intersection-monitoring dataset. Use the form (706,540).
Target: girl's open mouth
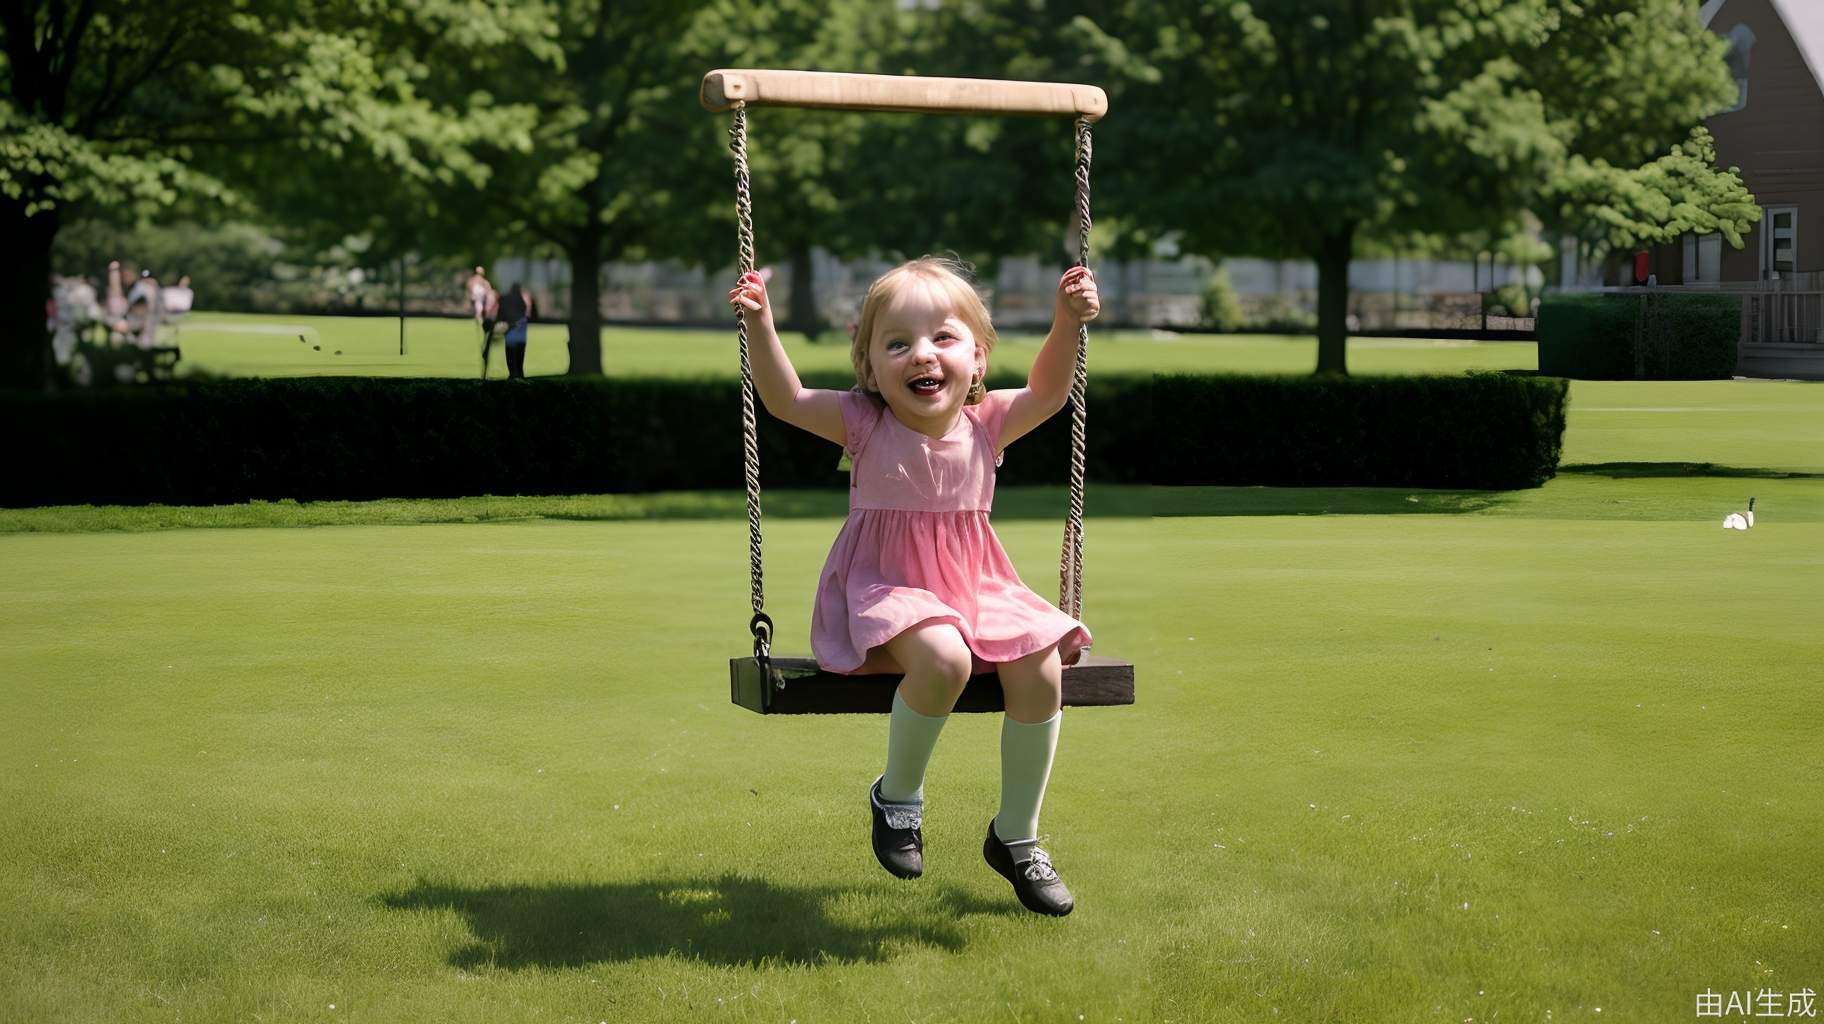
(926,386)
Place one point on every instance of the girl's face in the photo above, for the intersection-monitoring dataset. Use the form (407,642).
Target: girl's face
(924,358)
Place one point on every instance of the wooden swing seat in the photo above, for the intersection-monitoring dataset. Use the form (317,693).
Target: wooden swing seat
(796,686)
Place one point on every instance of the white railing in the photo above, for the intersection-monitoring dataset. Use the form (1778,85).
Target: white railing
(1783,316)
(1785,311)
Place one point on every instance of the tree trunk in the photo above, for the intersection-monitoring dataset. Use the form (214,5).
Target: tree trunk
(1333,302)
(801,314)
(25,346)
(585,253)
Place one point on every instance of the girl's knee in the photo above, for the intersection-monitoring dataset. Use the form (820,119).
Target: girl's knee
(937,650)
(1034,680)
(952,661)
(1044,664)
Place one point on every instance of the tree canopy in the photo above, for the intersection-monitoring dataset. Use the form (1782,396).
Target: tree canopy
(128,107)
(1309,128)
(1301,127)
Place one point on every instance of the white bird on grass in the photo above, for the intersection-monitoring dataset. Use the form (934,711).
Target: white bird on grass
(1740,520)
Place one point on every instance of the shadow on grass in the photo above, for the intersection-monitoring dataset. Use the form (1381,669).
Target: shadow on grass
(727,920)
(1318,501)
(1630,470)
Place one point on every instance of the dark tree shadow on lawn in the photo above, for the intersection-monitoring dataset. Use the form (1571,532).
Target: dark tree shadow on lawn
(1630,470)
(727,920)
(1319,501)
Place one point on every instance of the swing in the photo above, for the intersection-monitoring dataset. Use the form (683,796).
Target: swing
(779,685)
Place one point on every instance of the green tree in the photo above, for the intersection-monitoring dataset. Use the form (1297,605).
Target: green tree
(622,163)
(1628,82)
(890,184)
(803,164)
(128,107)
(616,160)
(1300,128)
(1605,207)
(994,186)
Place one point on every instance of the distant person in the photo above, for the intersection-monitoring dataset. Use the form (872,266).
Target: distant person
(478,288)
(178,298)
(82,305)
(74,309)
(116,308)
(516,311)
(144,308)
(490,327)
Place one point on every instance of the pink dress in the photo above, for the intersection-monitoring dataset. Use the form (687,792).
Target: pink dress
(917,547)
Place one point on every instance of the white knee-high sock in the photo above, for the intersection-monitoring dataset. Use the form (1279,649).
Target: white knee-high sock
(1027,749)
(910,739)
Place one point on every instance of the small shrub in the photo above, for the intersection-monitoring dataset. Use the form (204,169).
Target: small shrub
(1221,308)
(1510,300)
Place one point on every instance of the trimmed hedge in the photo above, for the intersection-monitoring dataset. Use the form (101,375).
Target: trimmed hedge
(1591,336)
(354,438)
(1480,431)
(686,435)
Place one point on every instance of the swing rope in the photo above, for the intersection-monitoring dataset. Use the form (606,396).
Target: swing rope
(761,625)
(1070,567)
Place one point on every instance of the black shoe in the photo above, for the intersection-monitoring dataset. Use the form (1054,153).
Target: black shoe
(899,842)
(1034,882)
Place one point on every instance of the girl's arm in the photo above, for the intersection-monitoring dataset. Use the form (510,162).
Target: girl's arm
(1048,385)
(816,410)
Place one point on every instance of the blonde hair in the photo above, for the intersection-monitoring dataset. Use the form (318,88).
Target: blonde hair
(950,277)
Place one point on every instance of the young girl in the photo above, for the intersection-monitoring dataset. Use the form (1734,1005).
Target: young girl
(917,583)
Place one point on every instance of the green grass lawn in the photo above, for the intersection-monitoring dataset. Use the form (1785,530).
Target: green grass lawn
(1546,755)
(1738,424)
(247,344)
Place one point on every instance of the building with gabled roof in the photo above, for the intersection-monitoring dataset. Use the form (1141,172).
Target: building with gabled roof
(1775,135)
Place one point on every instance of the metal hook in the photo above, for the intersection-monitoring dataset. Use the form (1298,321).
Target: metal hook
(762,627)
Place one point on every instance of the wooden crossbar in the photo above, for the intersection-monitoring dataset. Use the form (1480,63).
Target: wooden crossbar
(839,91)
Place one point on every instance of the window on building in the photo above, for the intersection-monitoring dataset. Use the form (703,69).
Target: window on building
(1703,259)
(1779,241)
(1741,40)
